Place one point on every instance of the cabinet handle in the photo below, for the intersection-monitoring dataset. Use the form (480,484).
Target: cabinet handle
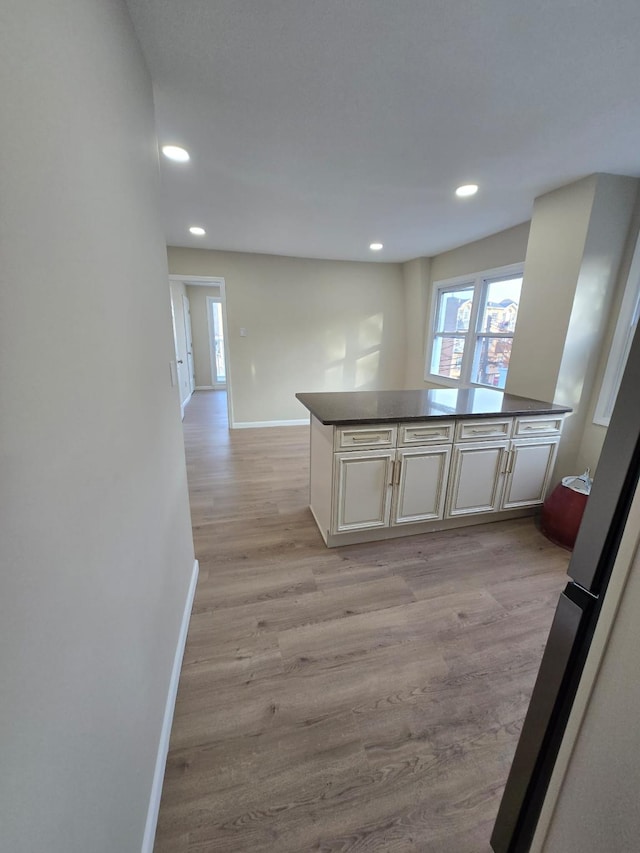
(512,456)
(368,438)
(530,428)
(477,431)
(398,465)
(393,471)
(429,435)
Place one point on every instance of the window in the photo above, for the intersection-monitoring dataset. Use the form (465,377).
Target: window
(472,326)
(623,335)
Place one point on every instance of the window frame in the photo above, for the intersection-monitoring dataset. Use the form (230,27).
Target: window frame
(479,283)
(626,326)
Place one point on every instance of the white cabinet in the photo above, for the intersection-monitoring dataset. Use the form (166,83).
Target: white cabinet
(490,476)
(528,471)
(363,489)
(420,484)
(410,435)
(380,487)
(475,484)
(487,429)
(365,437)
(374,481)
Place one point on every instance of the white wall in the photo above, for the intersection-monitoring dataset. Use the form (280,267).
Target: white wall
(578,235)
(95,536)
(498,250)
(415,276)
(593,434)
(312,325)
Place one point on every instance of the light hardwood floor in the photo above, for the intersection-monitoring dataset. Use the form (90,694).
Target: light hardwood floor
(364,698)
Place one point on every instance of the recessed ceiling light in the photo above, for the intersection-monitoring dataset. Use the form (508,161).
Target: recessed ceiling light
(174,152)
(197,230)
(375,247)
(466,190)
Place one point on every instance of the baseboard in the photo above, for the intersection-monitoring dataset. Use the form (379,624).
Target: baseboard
(204,388)
(375,534)
(163,747)
(184,405)
(253,424)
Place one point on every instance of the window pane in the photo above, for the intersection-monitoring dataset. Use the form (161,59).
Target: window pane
(501,306)
(491,361)
(446,356)
(454,310)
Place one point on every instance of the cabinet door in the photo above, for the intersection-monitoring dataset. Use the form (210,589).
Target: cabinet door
(476,481)
(363,490)
(421,480)
(528,471)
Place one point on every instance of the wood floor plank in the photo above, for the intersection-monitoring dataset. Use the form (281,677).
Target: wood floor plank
(363,698)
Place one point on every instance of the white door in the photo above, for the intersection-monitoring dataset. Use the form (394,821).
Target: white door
(180,343)
(189,343)
(421,478)
(528,471)
(363,498)
(477,477)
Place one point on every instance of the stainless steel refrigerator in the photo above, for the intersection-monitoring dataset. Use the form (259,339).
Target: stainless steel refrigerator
(575,619)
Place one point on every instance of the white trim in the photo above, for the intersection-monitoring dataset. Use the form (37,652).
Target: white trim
(227,358)
(184,404)
(252,424)
(202,280)
(188,339)
(358,537)
(204,388)
(622,338)
(165,733)
(212,343)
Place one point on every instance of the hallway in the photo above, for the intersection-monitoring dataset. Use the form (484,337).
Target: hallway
(356,699)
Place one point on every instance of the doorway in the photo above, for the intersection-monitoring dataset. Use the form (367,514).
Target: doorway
(216,342)
(199,303)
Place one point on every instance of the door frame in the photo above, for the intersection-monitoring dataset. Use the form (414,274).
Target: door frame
(178,365)
(188,334)
(216,281)
(212,343)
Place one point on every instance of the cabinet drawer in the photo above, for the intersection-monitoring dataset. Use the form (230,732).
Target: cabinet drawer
(361,437)
(483,430)
(429,432)
(528,427)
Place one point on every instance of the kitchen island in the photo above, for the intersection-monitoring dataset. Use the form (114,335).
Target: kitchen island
(395,463)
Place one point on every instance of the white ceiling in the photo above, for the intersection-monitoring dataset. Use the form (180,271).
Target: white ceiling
(318,126)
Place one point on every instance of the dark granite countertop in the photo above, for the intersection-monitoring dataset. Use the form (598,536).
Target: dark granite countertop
(365,407)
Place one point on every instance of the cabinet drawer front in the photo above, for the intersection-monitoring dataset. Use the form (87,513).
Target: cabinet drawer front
(529,427)
(430,432)
(363,438)
(484,430)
